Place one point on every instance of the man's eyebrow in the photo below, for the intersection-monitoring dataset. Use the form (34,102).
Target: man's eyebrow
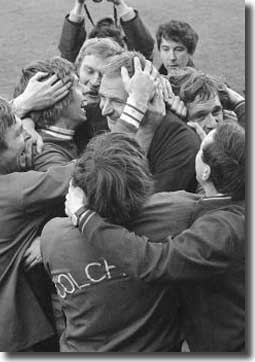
(111,98)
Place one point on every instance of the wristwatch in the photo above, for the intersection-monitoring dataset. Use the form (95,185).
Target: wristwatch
(76,216)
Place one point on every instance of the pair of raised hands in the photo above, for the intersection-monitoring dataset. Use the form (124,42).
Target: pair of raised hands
(151,88)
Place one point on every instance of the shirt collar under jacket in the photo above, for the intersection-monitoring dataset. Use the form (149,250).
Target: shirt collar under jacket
(60,133)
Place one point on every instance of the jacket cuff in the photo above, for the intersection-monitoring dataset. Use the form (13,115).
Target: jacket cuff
(73,22)
(125,12)
(74,18)
(84,219)
(129,16)
(239,105)
(133,112)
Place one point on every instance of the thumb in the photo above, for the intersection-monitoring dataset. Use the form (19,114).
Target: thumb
(39,75)
(201,133)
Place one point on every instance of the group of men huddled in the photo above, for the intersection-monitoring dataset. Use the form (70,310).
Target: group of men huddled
(122,197)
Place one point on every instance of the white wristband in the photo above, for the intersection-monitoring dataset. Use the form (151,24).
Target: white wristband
(133,112)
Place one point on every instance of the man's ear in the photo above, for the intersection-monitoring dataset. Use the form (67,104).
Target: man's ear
(206,173)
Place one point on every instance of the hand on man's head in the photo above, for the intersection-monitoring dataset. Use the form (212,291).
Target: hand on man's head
(40,94)
(142,84)
(75,199)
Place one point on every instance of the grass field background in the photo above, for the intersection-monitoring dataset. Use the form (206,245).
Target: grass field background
(30,30)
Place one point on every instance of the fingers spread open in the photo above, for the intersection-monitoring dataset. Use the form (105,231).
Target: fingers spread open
(52,79)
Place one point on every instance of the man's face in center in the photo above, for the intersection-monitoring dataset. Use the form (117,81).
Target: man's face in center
(90,76)
(112,99)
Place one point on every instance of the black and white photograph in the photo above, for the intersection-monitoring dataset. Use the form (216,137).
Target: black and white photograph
(123,179)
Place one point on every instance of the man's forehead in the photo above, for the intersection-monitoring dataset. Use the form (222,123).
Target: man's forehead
(112,85)
(94,61)
(199,104)
(171,43)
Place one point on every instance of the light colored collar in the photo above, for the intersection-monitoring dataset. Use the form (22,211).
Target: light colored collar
(61,133)
(218,197)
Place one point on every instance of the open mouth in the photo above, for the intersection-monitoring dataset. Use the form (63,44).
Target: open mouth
(92,97)
(83,106)
(92,92)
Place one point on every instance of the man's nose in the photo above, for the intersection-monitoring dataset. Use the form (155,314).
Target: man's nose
(211,122)
(172,55)
(105,106)
(96,79)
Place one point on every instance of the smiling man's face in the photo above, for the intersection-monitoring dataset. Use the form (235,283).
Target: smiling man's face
(112,99)
(90,76)
(14,147)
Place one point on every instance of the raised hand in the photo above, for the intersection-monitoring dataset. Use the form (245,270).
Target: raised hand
(29,127)
(177,106)
(166,88)
(142,84)
(157,104)
(42,94)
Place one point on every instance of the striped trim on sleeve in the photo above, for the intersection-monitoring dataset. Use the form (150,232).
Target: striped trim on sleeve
(84,218)
(132,113)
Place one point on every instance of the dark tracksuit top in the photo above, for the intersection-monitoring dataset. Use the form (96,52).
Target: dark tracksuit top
(26,203)
(207,260)
(172,155)
(74,34)
(105,310)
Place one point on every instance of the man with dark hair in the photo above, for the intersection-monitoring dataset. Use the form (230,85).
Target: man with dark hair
(207,99)
(105,28)
(206,259)
(73,35)
(106,310)
(172,147)
(27,201)
(93,172)
(176,41)
(58,122)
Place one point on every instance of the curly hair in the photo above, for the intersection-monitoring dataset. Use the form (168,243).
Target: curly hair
(226,158)
(7,119)
(100,47)
(178,31)
(114,174)
(56,65)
